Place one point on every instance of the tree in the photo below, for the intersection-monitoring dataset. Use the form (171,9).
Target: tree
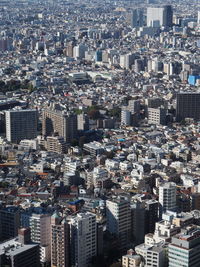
(115,112)
(74,142)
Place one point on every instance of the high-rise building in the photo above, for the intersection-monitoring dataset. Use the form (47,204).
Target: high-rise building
(69,49)
(136,18)
(167,196)
(198,18)
(21,124)
(19,251)
(83,239)
(61,123)
(59,241)
(159,16)
(144,216)
(79,51)
(118,215)
(134,106)
(125,117)
(187,106)
(126,61)
(184,249)
(40,225)
(168,16)
(151,207)
(9,222)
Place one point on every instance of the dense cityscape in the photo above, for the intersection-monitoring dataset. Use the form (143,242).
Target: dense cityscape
(99,133)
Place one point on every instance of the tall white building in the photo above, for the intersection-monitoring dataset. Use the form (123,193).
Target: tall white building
(198,18)
(125,117)
(79,51)
(167,196)
(83,239)
(40,225)
(159,16)
(126,61)
(157,116)
(21,124)
(118,215)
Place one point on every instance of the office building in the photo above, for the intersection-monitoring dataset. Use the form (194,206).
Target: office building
(83,239)
(118,216)
(159,16)
(134,106)
(69,49)
(151,207)
(184,249)
(59,241)
(168,16)
(79,51)
(60,123)
(40,226)
(98,55)
(187,106)
(9,222)
(125,117)
(19,252)
(136,18)
(167,196)
(144,216)
(138,223)
(126,61)
(21,124)
(157,116)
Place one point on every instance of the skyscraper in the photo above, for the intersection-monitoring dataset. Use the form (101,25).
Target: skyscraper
(83,239)
(187,106)
(79,51)
(21,124)
(159,16)
(118,215)
(64,124)
(167,16)
(136,18)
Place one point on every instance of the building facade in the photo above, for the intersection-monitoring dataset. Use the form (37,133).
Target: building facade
(21,124)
